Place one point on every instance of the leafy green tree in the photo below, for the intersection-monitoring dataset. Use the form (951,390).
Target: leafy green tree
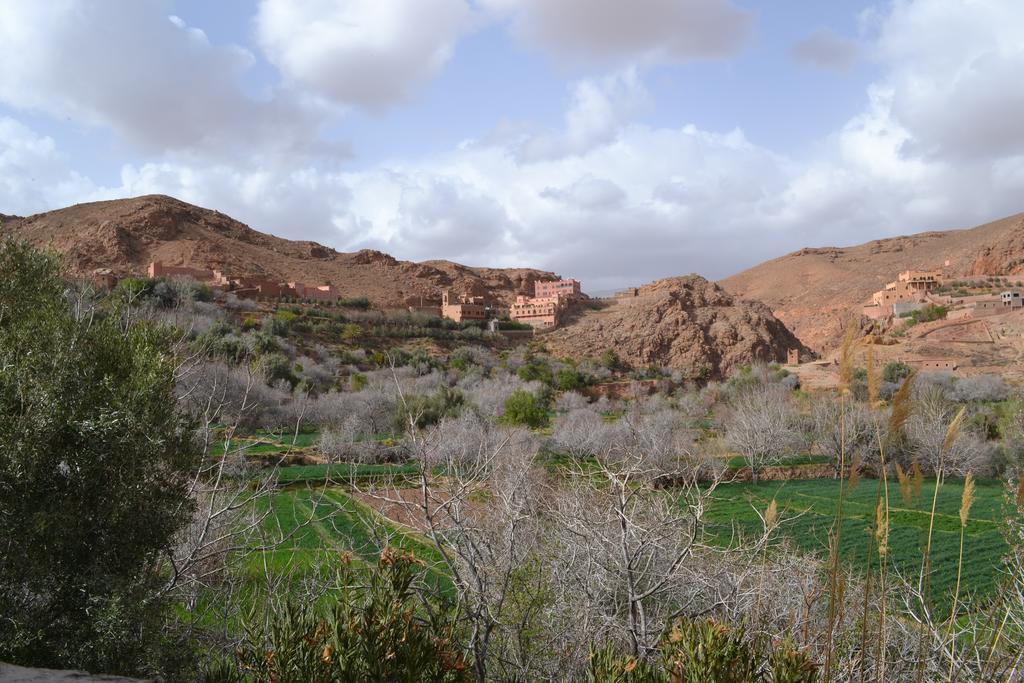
(424,411)
(94,465)
(896,371)
(525,408)
(536,370)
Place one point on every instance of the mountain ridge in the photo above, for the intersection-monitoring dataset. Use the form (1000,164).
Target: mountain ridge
(816,290)
(126,234)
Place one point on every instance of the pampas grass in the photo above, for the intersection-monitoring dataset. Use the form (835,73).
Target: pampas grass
(966,501)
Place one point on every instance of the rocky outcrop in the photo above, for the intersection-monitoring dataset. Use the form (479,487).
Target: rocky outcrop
(686,323)
(125,235)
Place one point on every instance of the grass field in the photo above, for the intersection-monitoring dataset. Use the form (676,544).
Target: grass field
(807,509)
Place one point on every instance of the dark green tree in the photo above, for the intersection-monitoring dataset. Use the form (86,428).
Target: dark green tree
(94,463)
(525,408)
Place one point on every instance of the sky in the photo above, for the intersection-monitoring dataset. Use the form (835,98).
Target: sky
(613,141)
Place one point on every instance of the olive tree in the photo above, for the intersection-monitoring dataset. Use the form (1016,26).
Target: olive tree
(94,465)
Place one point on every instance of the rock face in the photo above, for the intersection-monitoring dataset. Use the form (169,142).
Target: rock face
(816,291)
(685,323)
(126,234)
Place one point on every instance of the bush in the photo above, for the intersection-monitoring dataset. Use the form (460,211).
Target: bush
(570,379)
(896,372)
(980,388)
(536,371)
(372,633)
(524,408)
(424,411)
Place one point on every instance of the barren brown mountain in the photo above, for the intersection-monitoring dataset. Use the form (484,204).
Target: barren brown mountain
(685,323)
(815,291)
(125,235)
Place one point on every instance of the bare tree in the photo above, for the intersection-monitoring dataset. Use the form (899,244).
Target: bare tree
(838,428)
(622,547)
(927,434)
(579,433)
(476,501)
(760,426)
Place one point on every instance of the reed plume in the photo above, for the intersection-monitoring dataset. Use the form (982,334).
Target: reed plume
(953,431)
(881,529)
(771,516)
(874,379)
(854,479)
(846,359)
(966,500)
(906,491)
(916,478)
(902,407)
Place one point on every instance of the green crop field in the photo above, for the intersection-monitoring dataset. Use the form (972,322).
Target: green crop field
(807,510)
(343,472)
(318,524)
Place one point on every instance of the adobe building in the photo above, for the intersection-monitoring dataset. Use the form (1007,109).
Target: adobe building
(301,290)
(537,312)
(104,278)
(922,281)
(793,357)
(910,286)
(934,364)
(465,308)
(158,269)
(544,289)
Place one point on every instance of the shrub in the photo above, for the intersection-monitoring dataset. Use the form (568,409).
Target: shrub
(536,371)
(570,379)
(525,408)
(351,331)
(424,411)
(372,633)
(610,359)
(358,382)
(276,367)
(896,372)
(980,388)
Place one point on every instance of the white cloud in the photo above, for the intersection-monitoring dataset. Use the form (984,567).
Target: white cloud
(634,31)
(604,198)
(34,176)
(598,108)
(134,68)
(825,50)
(955,74)
(371,53)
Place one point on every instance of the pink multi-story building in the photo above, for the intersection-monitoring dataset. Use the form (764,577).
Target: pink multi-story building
(543,289)
(464,308)
(538,312)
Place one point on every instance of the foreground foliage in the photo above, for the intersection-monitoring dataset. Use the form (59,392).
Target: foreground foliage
(93,475)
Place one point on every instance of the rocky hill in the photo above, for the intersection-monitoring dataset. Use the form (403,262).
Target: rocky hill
(685,323)
(814,291)
(125,235)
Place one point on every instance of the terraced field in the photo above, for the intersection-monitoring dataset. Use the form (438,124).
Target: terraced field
(808,507)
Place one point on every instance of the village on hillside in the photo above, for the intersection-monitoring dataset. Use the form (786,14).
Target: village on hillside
(939,323)
(542,311)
